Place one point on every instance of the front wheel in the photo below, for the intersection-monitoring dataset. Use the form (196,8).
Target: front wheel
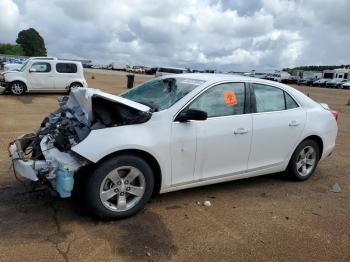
(17,88)
(304,160)
(120,187)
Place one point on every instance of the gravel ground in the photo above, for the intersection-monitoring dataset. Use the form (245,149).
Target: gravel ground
(265,218)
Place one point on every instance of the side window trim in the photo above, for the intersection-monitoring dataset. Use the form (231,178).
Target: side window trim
(247,101)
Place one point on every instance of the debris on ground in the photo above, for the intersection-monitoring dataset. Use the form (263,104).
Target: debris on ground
(207,203)
(148,254)
(204,203)
(336,188)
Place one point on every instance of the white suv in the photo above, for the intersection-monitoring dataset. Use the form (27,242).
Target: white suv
(44,76)
(17,67)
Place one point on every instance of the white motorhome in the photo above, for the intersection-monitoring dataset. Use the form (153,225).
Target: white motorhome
(342,73)
(311,75)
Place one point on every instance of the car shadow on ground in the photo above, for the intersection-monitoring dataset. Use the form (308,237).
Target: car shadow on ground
(35,216)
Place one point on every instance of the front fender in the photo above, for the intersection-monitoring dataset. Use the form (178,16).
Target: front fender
(103,142)
(10,79)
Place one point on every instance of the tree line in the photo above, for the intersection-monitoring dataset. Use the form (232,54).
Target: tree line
(315,67)
(28,43)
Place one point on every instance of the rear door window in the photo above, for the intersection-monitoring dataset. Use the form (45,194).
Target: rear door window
(69,68)
(269,99)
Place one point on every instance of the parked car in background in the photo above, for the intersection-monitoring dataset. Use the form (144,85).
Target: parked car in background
(321,82)
(169,70)
(138,70)
(306,82)
(151,71)
(346,85)
(290,80)
(171,133)
(42,75)
(335,82)
(14,65)
(18,66)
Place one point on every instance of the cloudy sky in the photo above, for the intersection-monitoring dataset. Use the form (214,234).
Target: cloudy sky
(221,34)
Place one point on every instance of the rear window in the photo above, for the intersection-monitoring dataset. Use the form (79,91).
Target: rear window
(66,68)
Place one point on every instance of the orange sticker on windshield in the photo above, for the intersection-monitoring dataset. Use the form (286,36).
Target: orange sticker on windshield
(230,98)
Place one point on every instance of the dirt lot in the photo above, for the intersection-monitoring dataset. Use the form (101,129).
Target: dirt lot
(267,218)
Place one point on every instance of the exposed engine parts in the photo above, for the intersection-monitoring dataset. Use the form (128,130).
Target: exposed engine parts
(46,155)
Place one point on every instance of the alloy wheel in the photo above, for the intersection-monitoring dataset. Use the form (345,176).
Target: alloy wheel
(306,161)
(122,188)
(17,88)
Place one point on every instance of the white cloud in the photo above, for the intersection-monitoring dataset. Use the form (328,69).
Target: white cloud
(8,20)
(223,34)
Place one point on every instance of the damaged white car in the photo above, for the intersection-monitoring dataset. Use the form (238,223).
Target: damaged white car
(171,133)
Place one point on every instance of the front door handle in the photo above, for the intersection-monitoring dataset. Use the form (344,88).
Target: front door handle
(294,123)
(240,131)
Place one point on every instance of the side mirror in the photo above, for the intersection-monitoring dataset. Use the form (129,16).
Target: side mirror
(191,114)
(32,70)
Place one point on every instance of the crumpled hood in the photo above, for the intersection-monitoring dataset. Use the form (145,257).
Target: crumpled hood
(82,98)
(9,72)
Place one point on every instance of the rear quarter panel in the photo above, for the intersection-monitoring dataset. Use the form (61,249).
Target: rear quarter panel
(321,122)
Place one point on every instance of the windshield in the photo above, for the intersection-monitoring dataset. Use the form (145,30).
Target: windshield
(23,66)
(160,94)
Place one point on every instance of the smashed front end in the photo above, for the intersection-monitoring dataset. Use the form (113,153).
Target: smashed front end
(46,155)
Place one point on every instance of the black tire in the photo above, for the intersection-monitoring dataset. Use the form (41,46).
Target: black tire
(73,85)
(292,169)
(93,199)
(17,88)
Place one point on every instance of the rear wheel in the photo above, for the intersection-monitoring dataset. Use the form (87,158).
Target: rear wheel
(17,88)
(120,187)
(304,160)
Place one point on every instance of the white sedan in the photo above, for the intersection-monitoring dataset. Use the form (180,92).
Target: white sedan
(171,133)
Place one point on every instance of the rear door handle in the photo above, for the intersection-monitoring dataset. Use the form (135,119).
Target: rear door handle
(240,131)
(294,123)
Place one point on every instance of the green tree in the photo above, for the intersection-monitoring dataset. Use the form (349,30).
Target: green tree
(10,49)
(31,42)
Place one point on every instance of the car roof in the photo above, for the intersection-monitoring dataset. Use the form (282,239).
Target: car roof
(216,78)
(56,61)
(213,78)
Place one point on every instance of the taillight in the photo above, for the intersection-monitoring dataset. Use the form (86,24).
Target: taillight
(335,114)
